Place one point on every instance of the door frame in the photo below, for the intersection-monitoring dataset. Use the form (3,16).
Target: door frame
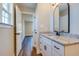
(14,29)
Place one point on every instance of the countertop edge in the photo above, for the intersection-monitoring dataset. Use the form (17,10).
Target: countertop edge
(60,42)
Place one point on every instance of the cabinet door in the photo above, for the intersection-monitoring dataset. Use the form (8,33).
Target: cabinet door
(59,48)
(42,44)
(47,47)
(56,54)
(42,47)
(52,48)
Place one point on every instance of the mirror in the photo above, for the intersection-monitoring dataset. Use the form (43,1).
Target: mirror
(62,18)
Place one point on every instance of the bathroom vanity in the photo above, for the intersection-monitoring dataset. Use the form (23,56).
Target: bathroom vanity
(52,45)
(60,45)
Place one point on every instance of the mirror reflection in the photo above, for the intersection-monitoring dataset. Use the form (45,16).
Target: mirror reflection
(61,18)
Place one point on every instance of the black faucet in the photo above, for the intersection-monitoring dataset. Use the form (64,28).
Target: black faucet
(57,33)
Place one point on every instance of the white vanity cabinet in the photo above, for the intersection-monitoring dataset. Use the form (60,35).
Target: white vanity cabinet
(42,45)
(50,47)
(45,46)
(65,50)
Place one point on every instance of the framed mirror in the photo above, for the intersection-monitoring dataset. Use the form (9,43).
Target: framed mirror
(62,18)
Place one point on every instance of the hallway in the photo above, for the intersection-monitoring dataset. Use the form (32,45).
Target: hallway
(27,48)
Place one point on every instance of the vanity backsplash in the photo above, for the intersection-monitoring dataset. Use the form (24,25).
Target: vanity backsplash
(64,34)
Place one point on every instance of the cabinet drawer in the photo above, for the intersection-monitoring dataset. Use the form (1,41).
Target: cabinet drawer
(48,51)
(59,48)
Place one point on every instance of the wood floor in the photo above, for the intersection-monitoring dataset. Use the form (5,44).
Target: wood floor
(27,48)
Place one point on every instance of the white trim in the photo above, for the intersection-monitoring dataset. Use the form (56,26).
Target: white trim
(30,13)
(5,26)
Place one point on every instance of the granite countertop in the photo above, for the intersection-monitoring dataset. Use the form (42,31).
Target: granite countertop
(61,39)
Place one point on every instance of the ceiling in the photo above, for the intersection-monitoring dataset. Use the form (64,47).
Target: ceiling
(27,6)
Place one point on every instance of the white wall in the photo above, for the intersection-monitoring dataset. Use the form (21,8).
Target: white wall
(0,11)
(41,21)
(23,27)
(28,28)
(6,40)
(74,18)
(7,37)
(43,17)
(28,19)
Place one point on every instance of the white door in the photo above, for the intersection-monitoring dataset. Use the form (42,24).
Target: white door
(35,34)
(18,30)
